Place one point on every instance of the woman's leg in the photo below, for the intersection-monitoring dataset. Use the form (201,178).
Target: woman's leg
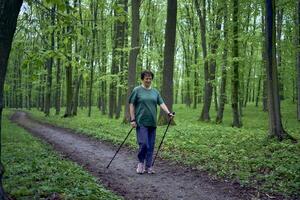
(142,140)
(151,143)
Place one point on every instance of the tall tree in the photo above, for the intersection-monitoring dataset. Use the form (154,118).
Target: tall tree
(275,124)
(134,51)
(94,13)
(222,95)
(169,51)
(49,66)
(69,76)
(236,121)
(202,20)
(9,11)
(298,59)
(116,55)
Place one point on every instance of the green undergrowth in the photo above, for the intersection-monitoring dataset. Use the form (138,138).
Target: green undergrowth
(34,171)
(245,155)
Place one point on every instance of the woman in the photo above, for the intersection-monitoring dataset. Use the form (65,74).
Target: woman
(143,103)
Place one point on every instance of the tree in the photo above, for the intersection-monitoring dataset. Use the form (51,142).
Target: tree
(202,20)
(69,76)
(222,97)
(94,13)
(275,125)
(169,51)
(236,121)
(298,60)
(134,51)
(49,66)
(9,11)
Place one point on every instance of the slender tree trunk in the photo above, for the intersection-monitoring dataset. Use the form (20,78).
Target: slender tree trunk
(258,90)
(202,20)
(236,121)
(49,67)
(278,52)
(69,86)
(169,51)
(222,97)
(116,55)
(94,12)
(264,58)
(58,80)
(134,51)
(9,11)
(122,60)
(298,61)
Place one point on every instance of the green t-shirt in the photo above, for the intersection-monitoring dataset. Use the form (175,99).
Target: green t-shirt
(145,102)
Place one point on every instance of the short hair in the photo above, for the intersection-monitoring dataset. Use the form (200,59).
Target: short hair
(146,73)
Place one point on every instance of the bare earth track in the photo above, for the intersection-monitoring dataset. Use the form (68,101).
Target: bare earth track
(170,182)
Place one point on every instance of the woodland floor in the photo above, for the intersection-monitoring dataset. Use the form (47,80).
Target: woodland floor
(171,181)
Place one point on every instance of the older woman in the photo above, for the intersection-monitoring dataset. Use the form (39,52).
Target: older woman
(143,103)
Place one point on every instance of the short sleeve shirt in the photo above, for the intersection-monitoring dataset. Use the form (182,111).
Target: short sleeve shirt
(145,102)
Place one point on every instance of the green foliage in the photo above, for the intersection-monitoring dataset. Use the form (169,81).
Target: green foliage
(34,171)
(245,155)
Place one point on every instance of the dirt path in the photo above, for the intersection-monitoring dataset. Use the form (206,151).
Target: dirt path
(170,182)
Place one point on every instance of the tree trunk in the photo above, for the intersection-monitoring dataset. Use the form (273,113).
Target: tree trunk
(58,80)
(298,61)
(122,61)
(278,52)
(258,90)
(102,87)
(134,51)
(94,12)
(169,51)
(202,20)
(275,124)
(222,97)
(49,67)
(9,11)
(69,86)
(116,54)
(236,121)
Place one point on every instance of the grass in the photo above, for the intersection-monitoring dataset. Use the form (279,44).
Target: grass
(34,171)
(245,155)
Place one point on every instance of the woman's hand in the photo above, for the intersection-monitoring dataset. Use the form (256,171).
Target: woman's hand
(171,115)
(133,124)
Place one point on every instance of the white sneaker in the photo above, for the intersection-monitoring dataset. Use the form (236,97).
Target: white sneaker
(140,168)
(150,170)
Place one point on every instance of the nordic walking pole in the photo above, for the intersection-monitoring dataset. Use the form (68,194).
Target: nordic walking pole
(119,148)
(162,139)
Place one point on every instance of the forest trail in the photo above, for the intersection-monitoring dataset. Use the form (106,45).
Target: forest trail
(170,182)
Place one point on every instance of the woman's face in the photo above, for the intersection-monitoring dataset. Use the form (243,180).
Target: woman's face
(147,81)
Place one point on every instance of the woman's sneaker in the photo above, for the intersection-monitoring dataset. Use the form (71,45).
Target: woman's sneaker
(150,170)
(140,168)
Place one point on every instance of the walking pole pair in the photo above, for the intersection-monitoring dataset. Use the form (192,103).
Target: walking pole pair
(119,147)
(162,139)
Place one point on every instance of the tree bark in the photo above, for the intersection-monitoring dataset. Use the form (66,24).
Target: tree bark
(275,124)
(298,60)
(169,52)
(9,11)
(49,67)
(94,13)
(202,20)
(69,83)
(236,121)
(134,51)
(222,97)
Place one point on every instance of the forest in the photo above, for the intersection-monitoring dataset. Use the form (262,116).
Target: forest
(230,70)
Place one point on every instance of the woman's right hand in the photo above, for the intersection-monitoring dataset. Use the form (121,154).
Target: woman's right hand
(133,124)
